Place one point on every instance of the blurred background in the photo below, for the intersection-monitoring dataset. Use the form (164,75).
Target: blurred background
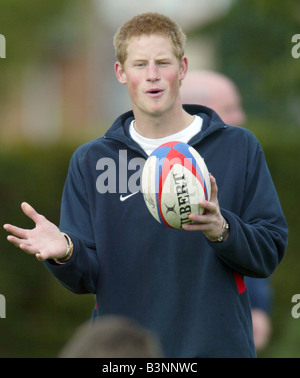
(58,90)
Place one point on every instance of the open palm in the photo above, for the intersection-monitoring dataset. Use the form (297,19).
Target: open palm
(45,241)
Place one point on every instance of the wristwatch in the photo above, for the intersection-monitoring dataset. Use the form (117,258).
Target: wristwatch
(225,230)
(68,253)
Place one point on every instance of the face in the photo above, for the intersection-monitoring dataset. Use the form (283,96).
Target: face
(152,74)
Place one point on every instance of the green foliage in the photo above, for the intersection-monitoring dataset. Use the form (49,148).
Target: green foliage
(26,24)
(40,314)
(253,43)
(35,30)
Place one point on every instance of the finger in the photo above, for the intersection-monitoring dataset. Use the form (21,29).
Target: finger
(214,188)
(208,207)
(17,231)
(195,227)
(14,240)
(28,249)
(30,212)
(39,257)
(22,244)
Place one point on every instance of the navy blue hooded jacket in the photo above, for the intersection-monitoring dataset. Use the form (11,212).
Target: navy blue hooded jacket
(186,289)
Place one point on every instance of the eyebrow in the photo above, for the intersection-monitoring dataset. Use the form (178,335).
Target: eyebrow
(159,59)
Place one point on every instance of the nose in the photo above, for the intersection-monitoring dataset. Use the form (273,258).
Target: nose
(153,72)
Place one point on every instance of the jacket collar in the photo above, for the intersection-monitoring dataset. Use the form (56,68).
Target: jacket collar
(211,122)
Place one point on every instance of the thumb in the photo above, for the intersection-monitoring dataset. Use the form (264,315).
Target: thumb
(30,212)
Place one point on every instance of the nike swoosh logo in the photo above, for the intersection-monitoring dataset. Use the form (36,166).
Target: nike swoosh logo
(124,198)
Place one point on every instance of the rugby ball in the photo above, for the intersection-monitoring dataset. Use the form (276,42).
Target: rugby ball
(174,180)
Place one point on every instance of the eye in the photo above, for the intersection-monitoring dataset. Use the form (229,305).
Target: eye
(164,63)
(140,64)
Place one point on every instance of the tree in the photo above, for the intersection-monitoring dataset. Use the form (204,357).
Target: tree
(254,46)
(30,29)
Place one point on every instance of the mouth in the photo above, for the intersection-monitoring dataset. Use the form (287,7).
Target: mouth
(155,92)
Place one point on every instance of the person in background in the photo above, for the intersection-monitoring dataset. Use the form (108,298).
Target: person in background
(216,91)
(112,336)
(219,92)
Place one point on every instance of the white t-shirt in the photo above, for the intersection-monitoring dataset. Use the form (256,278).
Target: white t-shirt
(149,144)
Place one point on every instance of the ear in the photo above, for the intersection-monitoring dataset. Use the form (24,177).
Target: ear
(120,73)
(183,68)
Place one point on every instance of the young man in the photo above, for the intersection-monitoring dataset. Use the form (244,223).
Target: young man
(183,285)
